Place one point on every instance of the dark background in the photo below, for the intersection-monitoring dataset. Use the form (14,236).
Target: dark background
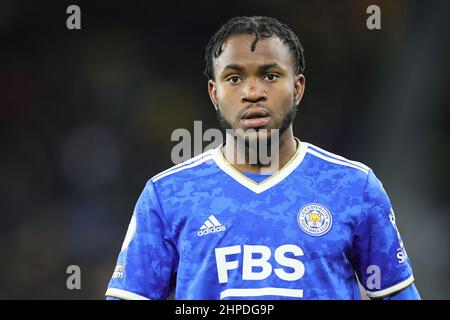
(86,117)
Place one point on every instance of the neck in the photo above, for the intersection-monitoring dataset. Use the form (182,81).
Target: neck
(285,149)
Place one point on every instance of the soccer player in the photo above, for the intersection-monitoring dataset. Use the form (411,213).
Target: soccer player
(216,228)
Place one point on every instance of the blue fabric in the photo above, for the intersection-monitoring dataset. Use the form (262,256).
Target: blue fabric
(204,234)
(256,176)
(409,293)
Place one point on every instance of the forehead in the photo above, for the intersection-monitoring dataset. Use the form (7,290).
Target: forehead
(237,50)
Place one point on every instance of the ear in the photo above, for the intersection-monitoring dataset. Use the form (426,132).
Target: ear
(212,90)
(299,88)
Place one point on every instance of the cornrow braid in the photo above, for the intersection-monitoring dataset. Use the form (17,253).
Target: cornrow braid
(261,27)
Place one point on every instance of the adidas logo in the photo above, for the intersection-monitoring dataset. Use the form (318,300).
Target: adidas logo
(211,225)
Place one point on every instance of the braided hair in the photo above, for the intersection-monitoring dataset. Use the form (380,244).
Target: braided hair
(261,27)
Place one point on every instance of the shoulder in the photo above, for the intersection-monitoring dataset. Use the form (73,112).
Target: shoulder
(187,169)
(334,161)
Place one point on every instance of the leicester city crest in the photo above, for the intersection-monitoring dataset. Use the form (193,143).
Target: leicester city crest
(314,219)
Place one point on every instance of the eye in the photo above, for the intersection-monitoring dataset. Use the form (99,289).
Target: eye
(234,79)
(271,76)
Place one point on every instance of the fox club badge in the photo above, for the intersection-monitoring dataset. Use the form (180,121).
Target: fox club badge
(314,219)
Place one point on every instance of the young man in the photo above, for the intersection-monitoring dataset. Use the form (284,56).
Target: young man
(306,227)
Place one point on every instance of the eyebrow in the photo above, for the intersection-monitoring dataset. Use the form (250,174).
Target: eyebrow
(261,68)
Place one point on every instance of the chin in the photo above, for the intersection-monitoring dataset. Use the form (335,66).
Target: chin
(255,135)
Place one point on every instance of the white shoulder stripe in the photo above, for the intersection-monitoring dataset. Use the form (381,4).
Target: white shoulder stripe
(386,292)
(338,157)
(329,159)
(184,163)
(123,294)
(181,168)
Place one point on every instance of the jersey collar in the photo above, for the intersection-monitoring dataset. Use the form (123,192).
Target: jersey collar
(268,183)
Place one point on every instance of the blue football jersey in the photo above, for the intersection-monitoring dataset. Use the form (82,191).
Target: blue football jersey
(204,230)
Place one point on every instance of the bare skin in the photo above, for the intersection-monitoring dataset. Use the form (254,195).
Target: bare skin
(257,89)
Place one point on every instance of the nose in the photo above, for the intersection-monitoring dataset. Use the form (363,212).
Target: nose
(253,92)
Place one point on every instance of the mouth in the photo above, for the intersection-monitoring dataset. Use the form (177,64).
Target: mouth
(255,118)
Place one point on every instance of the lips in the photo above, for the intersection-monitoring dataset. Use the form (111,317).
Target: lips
(255,117)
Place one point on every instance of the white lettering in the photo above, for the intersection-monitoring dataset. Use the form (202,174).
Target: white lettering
(374,280)
(250,262)
(222,264)
(258,256)
(374,20)
(297,265)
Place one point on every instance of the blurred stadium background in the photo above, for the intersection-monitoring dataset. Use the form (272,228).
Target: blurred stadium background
(86,118)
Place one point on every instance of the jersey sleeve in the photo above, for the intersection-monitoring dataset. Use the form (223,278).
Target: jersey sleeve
(146,266)
(378,252)
(409,293)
